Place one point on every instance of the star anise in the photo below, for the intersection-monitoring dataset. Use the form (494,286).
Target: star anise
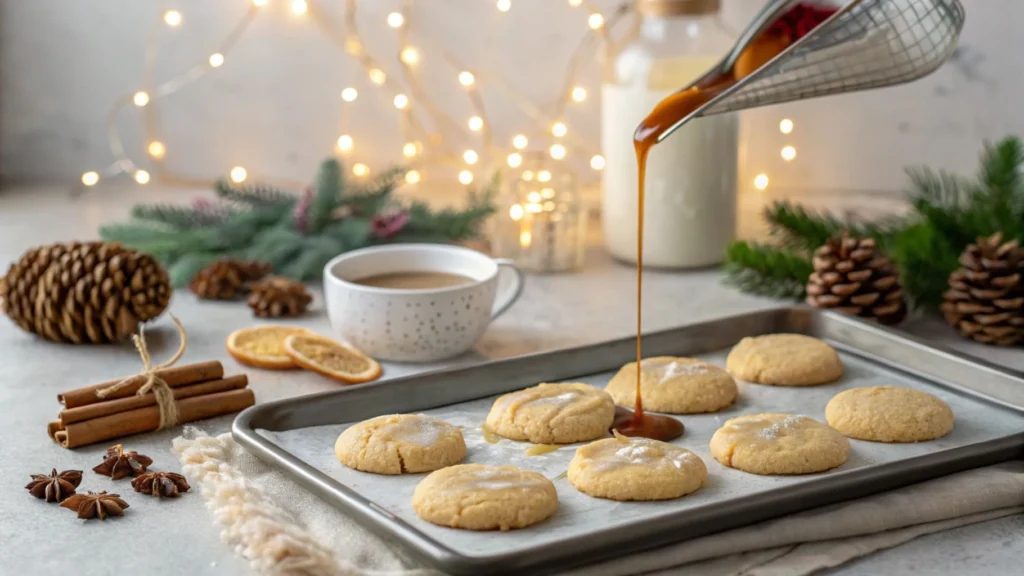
(95,505)
(161,484)
(120,463)
(55,487)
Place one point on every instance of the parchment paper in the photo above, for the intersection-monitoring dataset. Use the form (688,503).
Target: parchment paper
(976,421)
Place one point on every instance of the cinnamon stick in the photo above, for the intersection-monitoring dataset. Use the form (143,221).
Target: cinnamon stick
(148,419)
(90,411)
(53,427)
(175,377)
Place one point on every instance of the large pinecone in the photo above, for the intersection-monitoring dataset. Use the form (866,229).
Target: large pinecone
(850,276)
(227,279)
(84,292)
(985,300)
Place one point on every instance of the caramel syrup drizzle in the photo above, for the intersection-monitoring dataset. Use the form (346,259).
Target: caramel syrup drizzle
(666,114)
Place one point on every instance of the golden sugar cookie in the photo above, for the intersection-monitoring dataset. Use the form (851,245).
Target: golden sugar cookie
(778,444)
(483,497)
(553,414)
(674,385)
(889,414)
(624,468)
(784,360)
(400,444)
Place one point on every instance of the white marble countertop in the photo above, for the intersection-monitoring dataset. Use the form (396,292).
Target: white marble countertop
(178,536)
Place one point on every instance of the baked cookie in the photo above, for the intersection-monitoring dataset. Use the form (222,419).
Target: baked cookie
(674,385)
(553,414)
(624,468)
(778,444)
(784,360)
(400,444)
(889,414)
(482,497)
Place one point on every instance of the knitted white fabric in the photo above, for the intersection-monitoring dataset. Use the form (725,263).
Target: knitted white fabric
(268,536)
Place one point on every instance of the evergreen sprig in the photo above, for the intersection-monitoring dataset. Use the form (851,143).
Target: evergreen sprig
(262,222)
(948,213)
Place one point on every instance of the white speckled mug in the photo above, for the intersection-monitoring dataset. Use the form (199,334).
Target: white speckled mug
(415,325)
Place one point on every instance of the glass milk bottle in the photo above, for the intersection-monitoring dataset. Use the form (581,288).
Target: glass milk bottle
(690,214)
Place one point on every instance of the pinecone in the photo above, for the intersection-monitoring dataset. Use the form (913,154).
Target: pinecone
(226,279)
(985,300)
(84,292)
(277,297)
(849,276)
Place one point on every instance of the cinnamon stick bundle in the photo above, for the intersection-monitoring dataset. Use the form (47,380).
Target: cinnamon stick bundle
(175,377)
(89,411)
(147,419)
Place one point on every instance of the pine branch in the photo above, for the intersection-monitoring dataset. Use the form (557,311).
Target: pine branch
(767,270)
(254,195)
(181,217)
(329,187)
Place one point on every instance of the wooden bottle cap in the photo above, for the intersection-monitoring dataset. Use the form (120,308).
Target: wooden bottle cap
(677,7)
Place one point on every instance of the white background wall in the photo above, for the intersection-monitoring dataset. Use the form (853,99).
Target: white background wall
(274,106)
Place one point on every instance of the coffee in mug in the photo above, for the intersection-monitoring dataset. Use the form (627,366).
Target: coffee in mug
(414,280)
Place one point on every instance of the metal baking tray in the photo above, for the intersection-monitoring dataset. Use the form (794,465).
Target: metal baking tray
(298,435)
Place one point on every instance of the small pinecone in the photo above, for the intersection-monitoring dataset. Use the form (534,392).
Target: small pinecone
(985,300)
(84,292)
(849,276)
(277,297)
(227,279)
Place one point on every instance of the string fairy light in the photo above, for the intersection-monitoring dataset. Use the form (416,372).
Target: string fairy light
(238,174)
(412,176)
(786,126)
(788,153)
(172,18)
(90,178)
(410,103)
(761,181)
(156,149)
(470,156)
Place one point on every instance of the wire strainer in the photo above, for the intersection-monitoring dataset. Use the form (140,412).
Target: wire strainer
(865,44)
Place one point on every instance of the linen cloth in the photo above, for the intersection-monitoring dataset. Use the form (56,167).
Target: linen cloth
(282,529)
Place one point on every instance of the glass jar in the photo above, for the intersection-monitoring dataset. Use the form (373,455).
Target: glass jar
(690,215)
(542,225)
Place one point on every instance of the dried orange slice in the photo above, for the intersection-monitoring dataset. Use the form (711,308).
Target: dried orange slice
(327,357)
(263,346)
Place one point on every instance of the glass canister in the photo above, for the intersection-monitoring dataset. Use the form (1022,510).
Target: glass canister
(690,215)
(542,224)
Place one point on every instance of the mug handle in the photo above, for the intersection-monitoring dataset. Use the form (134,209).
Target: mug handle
(513,294)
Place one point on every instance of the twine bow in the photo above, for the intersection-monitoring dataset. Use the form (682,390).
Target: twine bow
(161,390)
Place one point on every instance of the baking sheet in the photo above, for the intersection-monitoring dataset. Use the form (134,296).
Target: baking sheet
(976,421)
